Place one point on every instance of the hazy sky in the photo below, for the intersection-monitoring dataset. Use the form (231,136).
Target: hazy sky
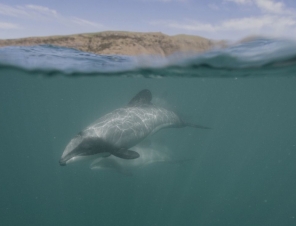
(224,19)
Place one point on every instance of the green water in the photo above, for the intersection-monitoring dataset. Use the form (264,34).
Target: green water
(242,171)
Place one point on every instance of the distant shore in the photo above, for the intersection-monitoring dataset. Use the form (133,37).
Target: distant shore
(123,43)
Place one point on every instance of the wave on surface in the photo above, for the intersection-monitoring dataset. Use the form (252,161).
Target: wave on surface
(261,57)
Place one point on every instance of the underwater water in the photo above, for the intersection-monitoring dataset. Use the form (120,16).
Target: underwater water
(240,172)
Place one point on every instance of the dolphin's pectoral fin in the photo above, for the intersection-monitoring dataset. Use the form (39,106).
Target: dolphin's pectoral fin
(125,154)
(143,97)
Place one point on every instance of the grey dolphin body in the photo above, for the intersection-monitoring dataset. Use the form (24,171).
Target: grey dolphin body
(122,129)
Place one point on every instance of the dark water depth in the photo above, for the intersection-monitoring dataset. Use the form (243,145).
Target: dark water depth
(241,172)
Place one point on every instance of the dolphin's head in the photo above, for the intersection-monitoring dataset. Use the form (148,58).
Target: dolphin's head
(82,147)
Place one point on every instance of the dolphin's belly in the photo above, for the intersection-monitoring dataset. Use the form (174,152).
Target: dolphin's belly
(125,127)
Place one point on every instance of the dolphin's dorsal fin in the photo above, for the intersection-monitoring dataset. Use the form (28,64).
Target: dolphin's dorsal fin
(143,97)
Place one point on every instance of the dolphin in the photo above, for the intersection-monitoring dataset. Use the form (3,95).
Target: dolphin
(116,132)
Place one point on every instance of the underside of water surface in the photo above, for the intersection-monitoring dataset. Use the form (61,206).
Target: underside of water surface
(240,172)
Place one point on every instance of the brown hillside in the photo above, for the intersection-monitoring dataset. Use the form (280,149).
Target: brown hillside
(122,43)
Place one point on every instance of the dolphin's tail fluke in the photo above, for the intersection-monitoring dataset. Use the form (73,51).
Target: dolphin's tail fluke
(196,126)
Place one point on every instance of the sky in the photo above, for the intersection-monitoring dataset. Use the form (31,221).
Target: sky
(224,19)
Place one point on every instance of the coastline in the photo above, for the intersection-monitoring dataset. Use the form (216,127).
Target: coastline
(123,43)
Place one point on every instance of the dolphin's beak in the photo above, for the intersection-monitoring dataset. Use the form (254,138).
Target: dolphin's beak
(69,151)
(62,162)
(65,158)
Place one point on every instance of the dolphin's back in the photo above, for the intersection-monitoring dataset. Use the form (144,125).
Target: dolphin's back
(125,127)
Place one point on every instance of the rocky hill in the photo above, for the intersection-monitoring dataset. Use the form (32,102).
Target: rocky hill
(122,42)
